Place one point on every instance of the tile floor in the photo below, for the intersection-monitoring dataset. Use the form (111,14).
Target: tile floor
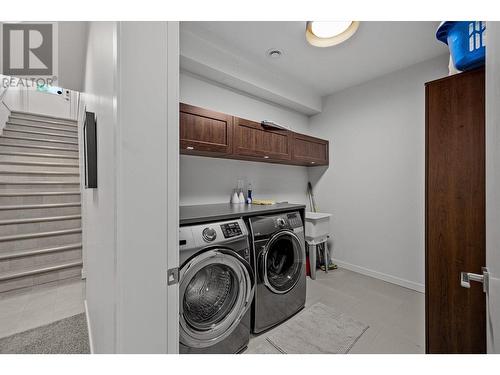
(36,306)
(395,314)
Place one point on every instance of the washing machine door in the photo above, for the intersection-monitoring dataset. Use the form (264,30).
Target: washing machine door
(216,289)
(282,262)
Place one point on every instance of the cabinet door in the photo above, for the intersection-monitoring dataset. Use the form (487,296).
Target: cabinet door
(204,132)
(455,213)
(253,140)
(309,150)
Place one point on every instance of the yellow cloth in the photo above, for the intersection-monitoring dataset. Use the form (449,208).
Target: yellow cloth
(263,201)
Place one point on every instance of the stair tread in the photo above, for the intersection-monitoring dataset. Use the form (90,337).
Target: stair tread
(42,205)
(48,173)
(25,236)
(42,133)
(32,252)
(23,113)
(43,121)
(37,270)
(39,163)
(37,193)
(36,155)
(31,183)
(40,219)
(21,145)
(31,139)
(75,131)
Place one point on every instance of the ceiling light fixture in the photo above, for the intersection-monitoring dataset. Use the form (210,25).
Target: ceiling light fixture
(327,34)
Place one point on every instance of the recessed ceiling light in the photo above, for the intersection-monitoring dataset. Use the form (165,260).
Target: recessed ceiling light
(274,53)
(327,34)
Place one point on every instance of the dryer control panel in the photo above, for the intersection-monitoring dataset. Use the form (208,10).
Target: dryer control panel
(294,220)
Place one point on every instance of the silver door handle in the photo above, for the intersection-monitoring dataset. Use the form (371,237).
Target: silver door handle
(467,277)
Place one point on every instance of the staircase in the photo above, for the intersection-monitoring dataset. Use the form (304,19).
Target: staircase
(40,222)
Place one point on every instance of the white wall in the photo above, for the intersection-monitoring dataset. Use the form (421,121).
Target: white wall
(64,105)
(130,222)
(99,205)
(21,95)
(147,183)
(493,183)
(375,184)
(72,48)
(209,180)
(4,108)
(12,97)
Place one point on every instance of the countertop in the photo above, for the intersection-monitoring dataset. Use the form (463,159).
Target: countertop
(225,211)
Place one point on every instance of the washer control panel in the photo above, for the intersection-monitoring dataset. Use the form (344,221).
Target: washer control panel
(232,229)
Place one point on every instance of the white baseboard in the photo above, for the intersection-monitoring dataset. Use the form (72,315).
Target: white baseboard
(91,342)
(382,276)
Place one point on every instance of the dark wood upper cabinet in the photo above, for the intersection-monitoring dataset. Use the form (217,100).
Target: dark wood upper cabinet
(208,133)
(309,150)
(251,139)
(204,132)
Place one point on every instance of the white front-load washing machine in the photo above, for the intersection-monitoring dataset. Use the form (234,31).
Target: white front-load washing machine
(216,288)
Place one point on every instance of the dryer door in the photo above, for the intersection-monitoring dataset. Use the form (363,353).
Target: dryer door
(282,262)
(216,289)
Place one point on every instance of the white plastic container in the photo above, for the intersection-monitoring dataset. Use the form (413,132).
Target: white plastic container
(317,226)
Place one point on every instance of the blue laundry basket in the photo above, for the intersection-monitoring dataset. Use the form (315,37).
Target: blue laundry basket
(467,42)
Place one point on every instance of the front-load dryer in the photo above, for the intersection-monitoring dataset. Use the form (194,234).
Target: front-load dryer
(216,288)
(278,259)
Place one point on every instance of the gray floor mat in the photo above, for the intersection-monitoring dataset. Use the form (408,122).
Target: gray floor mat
(317,330)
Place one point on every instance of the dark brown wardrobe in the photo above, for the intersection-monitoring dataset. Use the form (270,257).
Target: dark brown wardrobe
(455,212)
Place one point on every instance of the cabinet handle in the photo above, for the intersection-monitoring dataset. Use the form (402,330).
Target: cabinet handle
(189,148)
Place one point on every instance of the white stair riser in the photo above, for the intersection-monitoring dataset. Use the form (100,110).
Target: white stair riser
(29,281)
(39,243)
(41,142)
(32,187)
(24,179)
(42,260)
(37,168)
(39,212)
(19,147)
(10,177)
(38,133)
(35,158)
(64,131)
(38,199)
(46,226)
(30,117)
(35,176)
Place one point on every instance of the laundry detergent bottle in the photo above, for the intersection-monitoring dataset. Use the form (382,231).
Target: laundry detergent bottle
(249,194)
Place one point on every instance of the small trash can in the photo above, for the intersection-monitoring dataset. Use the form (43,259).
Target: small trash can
(466,41)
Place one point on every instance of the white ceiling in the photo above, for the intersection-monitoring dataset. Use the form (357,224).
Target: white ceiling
(376,49)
